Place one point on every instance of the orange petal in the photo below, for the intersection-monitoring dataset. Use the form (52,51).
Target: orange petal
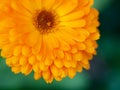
(60,54)
(51,41)
(27,4)
(48,61)
(47,4)
(16,69)
(25,51)
(7,50)
(37,75)
(26,69)
(15,60)
(55,70)
(32,60)
(58,63)
(38,3)
(72,16)
(32,38)
(78,56)
(74,24)
(42,66)
(66,7)
(46,75)
(23,61)
(57,3)
(71,72)
(36,49)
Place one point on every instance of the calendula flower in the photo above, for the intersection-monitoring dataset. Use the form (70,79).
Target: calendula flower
(52,38)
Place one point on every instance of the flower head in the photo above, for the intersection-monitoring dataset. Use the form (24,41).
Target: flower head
(52,38)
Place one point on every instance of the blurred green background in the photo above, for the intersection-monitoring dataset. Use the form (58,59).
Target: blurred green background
(105,68)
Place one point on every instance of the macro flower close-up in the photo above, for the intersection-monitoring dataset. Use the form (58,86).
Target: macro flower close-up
(51,38)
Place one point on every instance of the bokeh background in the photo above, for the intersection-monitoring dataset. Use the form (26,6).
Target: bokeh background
(105,67)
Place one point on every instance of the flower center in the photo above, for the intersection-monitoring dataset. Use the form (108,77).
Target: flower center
(44,21)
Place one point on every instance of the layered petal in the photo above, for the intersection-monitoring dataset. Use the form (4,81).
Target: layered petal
(52,38)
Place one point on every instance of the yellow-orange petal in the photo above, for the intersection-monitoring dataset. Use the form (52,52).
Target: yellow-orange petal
(26,69)
(67,63)
(74,50)
(60,54)
(81,46)
(55,70)
(77,56)
(7,50)
(36,49)
(16,69)
(48,61)
(37,75)
(65,46)
(71,72)
(66,7)
(38,3)
(23,60)
(15,60)
(72,16)
(36,68)
(47,4)
(46,75)
(17,50)
(58,63)
(74,23)
(26,4)
(25,51)
(32,60)
(95,36)
(42,66)
(51,41)
(32,38)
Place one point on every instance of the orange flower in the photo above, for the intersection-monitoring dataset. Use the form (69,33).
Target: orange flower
(52,38)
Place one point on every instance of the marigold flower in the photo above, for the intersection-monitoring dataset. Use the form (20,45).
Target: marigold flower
(52,38)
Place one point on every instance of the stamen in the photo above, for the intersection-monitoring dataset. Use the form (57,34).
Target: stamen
(44,21)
